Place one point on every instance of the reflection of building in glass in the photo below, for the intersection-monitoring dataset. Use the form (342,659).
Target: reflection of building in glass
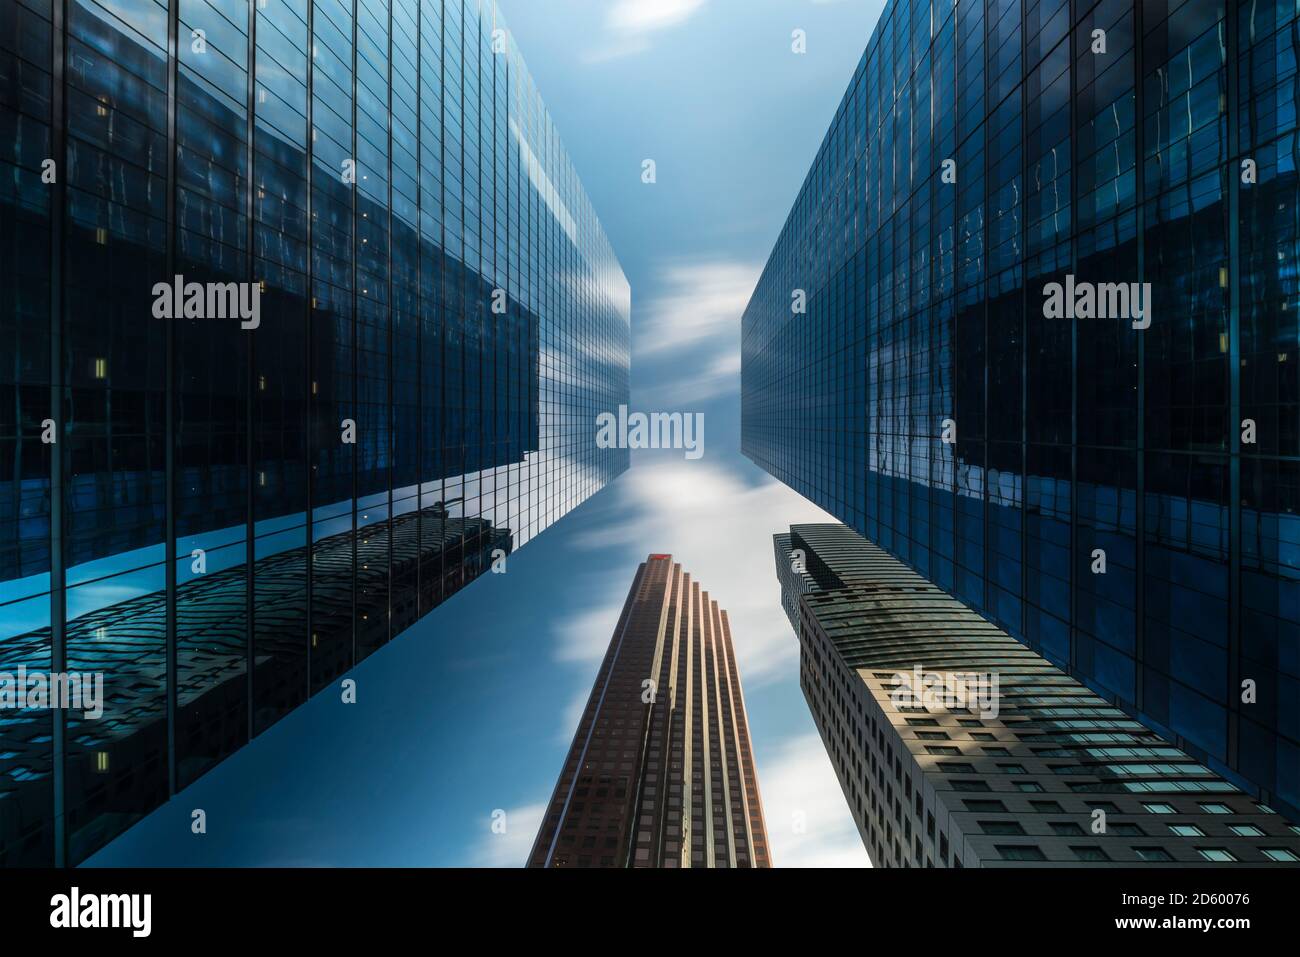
(661,771)
(433,281)
(121,641)
(1073,440)
(1018,763)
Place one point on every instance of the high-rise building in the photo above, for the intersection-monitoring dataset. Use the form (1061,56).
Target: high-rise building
(397,318)
(661,771)
(1112,480)
(957,746)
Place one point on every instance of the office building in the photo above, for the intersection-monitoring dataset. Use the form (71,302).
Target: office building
(406,317)
(957,746)
(661,770)
(1113,480)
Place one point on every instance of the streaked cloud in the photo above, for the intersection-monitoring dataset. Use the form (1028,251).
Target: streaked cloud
(696,302)
(509,849)
(808,822)
(718,376)
(687,333)
(584,637)
(647,16)
(630,25)
(571,715)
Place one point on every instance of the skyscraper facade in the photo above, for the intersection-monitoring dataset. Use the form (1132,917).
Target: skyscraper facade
(661,771)
(1111,480)
(957,746)
(309,321)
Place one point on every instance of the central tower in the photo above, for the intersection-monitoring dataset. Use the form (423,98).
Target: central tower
(660,772)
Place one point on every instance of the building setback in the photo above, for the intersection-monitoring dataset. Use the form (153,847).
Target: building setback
(1121,492)
(1041,771)
(661,771)
(223,517)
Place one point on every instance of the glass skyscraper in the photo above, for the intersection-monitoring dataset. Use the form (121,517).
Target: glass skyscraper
(1118,493)
(222,517)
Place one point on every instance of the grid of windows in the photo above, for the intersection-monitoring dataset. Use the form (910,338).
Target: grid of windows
(223,519)
(1077,790)
(983,150)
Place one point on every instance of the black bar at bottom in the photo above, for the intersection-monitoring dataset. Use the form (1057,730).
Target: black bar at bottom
(477,908)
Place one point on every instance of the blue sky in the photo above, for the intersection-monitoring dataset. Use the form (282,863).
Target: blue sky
(472,710)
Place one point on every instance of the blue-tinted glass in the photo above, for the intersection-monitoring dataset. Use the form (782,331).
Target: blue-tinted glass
(1120,496)
(245,510)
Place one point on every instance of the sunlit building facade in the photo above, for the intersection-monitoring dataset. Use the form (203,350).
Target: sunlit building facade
(1116,488)
(957,746)
(223,517)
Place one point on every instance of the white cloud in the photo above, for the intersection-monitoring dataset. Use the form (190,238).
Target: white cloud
(720,377)
(509,849)
(808,821)
(701,301)
(571,715)
(725,365)
(629,25)
(586,637)
(688,509)
(689,332)
(583,640)
(644,16)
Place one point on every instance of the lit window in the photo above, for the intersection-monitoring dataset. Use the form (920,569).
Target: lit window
(1216,854)
(1279,854)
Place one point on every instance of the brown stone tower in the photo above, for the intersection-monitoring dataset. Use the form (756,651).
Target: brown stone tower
(661,771)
